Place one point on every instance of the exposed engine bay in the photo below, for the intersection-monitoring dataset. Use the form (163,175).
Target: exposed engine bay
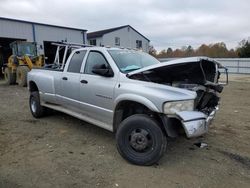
(200,76)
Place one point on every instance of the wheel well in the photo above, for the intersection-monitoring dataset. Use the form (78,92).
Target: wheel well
(172,126)
(127,108)
(32,86)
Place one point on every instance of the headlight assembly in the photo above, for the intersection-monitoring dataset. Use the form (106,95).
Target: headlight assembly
(177,106)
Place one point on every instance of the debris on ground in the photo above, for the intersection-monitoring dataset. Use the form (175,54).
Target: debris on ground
(201,144)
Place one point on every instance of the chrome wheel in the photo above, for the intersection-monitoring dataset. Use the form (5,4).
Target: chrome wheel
(33,105)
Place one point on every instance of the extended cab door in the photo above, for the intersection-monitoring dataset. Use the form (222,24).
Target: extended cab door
(69,89)
(97,92)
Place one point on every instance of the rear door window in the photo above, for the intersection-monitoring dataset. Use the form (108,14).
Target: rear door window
(76,61)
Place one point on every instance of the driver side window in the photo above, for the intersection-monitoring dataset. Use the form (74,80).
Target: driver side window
(94,58)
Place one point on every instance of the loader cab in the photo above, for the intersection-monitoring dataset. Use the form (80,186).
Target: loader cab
(21,48)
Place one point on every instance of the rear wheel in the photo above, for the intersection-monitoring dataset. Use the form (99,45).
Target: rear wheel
(21,75)
(140,140)
(35,107)
(10,78)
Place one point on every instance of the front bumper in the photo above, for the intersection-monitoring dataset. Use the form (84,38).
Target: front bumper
(196,123)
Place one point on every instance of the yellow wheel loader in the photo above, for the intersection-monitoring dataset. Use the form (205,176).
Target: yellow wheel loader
(24,57)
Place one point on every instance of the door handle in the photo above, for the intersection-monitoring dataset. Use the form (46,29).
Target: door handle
(84,81)
(64,78)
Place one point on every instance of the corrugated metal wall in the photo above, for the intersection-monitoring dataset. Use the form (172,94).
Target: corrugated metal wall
(45,33)
(9,29)
(35,32)
(236,65)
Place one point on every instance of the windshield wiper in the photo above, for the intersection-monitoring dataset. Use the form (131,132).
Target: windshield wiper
(130,70)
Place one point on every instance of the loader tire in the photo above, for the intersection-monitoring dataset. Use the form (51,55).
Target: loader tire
(10,78)
(21,75)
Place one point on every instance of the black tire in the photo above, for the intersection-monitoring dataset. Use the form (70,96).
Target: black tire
(35,107)
(140,140)
(10,78)
(21,75)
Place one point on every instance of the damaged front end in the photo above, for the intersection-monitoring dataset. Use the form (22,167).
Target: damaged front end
(200,75)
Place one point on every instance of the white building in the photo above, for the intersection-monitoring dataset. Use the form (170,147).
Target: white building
(124,36)
(43,34)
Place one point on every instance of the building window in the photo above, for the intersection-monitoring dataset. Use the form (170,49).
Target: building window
(117,41)
(92,42)
(138,44)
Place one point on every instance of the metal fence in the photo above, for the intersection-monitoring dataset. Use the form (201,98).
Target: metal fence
(234,65)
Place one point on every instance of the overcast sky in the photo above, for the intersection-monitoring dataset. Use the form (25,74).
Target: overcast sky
(167,23)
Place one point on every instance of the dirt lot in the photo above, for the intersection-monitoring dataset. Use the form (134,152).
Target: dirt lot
(61,151)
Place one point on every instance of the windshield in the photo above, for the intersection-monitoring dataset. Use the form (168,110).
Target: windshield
(27,49)
(128,60)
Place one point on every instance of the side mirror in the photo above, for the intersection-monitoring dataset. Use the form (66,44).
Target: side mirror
(103,70)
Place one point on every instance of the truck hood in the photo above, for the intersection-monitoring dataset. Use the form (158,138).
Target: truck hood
(189,60)
(197,74)
(194,70)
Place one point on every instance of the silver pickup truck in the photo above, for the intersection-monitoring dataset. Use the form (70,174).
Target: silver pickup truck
(132,94)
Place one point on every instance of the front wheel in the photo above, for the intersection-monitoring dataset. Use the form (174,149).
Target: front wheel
(35,107)
(140,140)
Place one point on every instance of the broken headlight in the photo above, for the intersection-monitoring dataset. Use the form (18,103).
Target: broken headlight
(177,106)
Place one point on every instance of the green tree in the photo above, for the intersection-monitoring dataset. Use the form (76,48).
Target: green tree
(169,52)
(244,49)
(189,51)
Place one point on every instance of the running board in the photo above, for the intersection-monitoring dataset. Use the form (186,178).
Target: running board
(79,116)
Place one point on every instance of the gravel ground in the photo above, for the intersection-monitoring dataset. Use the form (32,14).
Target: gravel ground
(61,151)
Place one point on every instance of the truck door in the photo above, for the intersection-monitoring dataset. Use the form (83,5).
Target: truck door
(68,93)
(97,92)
